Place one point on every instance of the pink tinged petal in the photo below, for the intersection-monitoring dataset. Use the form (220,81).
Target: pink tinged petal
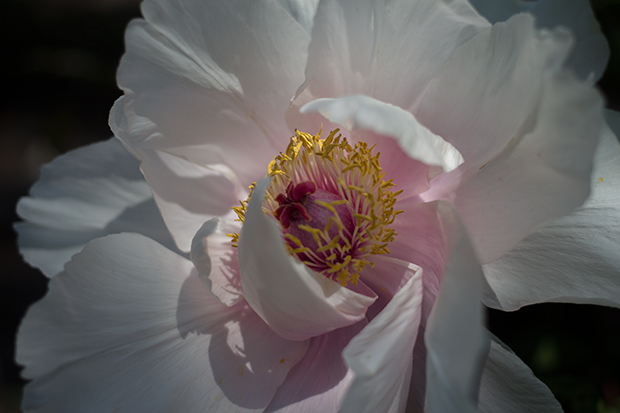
(321,379)
(590,53)
(363,113)
(573,258)
(216,260)
(509,386)
(385,278)
(88,193)
(294,301)
(197,90)
(387,51)
(409,175)
(456,340)
(381,355)
(128,327)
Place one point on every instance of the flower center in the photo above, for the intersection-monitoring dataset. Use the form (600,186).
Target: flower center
(332,203)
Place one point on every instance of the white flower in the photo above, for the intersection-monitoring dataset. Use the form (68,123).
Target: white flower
(474,123)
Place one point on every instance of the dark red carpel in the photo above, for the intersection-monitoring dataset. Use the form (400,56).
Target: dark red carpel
(293,202)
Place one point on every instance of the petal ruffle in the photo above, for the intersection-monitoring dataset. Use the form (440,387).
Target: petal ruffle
(374,49)
(573,258)
(381,354)
(456,340)
(128,327)
(465,103)
(196,72)
(363,113)
(296,302)
(85,194)
(590,54)
(522,166)
(509,386)
(216,260)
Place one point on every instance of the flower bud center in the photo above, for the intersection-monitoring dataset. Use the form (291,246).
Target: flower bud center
(332,204)
(316,209)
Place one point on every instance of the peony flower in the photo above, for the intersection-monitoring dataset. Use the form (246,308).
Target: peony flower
(305,205)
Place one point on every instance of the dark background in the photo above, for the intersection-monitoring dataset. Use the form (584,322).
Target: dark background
(59,59)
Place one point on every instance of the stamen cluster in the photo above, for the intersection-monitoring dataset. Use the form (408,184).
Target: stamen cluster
(332,203)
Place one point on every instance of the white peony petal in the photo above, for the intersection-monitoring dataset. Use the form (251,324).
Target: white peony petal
(321,379)
(216,260)
(456,340)
(544,161)
(88,193)
(590,54)
(544,175)
(573,258)
(485,92)
(187,193)
(216,72)
(128,328)
(361,112)
(509,386)
(296,302)
(388,51)
(381,355)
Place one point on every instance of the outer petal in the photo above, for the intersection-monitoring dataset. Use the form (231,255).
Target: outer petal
(85,194)
(589,57)
(216,260)
(362,112)
(456,341)
(386,50)
(509,386)
(321,379)
(381,355)
(574,258)
(296,302)
(543,167)
(129,328)
(207,82)
(187,193)
(489,87)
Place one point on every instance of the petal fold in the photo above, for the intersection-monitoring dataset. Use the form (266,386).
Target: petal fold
(456,340)
(216,259)
(296,302)
(128,327)
(87,193)
(321,379)
(381,355)
(363,113)
(591,52)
